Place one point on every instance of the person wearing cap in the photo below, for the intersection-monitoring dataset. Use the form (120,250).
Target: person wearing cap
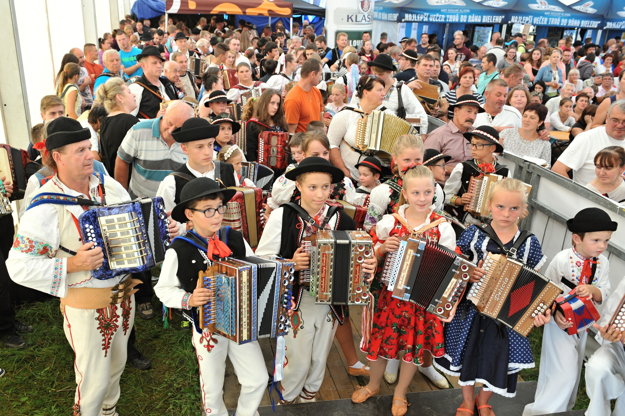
(369,174)
(181,44)
(307,345)
(584,269)
(407,61)
(217,103)
(496,112)
(128,55)
(399,98)
(203,201)
(227,129)
(48,256)
(484,141)
(150,89)
(437,162)
(449,138)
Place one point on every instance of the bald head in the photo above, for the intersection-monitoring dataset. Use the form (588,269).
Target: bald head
(176,114)
(77,52)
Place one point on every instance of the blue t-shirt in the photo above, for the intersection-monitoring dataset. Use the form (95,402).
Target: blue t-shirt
(129,59)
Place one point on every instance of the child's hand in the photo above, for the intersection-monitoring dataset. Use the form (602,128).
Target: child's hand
(543,318)
(466,198)
(585,291)
(610,333)
(199,297)
(478,272)
(369,266)
(561,321)
(7,186)
(301,259)
(391,244)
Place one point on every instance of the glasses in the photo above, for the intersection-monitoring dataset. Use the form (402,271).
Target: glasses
(210,212)
(480,145)
(439,165)
(617,121)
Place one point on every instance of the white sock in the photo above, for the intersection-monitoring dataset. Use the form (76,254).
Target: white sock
(392,366)
(430,372)
(358,365)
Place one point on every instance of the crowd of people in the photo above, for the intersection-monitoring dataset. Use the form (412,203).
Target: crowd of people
(175,111)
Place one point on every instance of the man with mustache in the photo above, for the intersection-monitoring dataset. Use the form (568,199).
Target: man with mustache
(449,139)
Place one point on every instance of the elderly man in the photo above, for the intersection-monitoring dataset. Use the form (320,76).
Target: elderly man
(171,72)
(497,114)
(449,139)
(112,68)
(513,75)
(580,154)
(149,91)
(48,255)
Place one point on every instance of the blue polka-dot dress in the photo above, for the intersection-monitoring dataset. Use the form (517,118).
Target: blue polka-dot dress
(478,349)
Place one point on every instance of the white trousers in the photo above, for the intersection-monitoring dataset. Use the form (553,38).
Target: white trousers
(249,366)
(561,360)
(307,351)
(99,338)
(605,380)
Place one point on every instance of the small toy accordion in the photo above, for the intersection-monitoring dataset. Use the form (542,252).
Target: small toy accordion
(13,164)
(133,235)
(512,293)
(580,311)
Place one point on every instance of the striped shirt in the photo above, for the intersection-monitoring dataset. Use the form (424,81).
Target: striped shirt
(150,157)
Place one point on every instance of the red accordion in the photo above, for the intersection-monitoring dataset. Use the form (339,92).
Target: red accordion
(243,213)
(355,212)
(580,311)
(13,167)
(272,149)
(230,78)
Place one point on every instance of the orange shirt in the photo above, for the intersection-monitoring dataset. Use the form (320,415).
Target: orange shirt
(302,107)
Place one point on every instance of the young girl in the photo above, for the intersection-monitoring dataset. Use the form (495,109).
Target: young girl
(563,120)
(336,101)
(310,338)
(370,171)
(203,202)
(227,129)
(232,154)
(401,326)
(478,348)
(268,115)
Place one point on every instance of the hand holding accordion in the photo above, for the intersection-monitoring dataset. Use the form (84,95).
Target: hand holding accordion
(580,311)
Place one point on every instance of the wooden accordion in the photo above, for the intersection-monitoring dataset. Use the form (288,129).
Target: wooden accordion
(272,149)
(480,188)
(379,131)
(618,318)
(13,167)
(512,293)
(230,78)
(249,299)
(427,274)
(133,235)
(581,312)
(243,213)
(336,258)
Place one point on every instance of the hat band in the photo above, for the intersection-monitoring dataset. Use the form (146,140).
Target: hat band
(433,158)
(217,97)
(458,104)
(476,132)
(371,165)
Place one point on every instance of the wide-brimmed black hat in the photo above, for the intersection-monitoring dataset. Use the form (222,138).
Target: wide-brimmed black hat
(410,54)
(467,99)
(217,96)
(179,36)
(195,31)
(383,61)
(195,129)
(316,164)
(403,39)
(590,220)
(150,51)
(195,189)
(63,131)
(372,163)
(431,156)
(225,118)
(487,133)
(146,36)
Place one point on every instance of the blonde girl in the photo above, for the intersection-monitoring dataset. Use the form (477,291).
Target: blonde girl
(232,154)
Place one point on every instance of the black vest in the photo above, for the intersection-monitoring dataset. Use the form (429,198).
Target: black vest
(224,173)
(150,100)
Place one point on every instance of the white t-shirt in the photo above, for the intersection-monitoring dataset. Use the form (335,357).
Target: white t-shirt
(581,152)
(508,117)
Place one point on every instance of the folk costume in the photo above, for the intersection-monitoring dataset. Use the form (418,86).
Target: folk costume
(98,315)
(186,257)
(562,355)
(478,348)
(313,326)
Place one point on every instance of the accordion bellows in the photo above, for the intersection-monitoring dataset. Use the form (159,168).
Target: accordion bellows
(272,149)
(243,213)
(336,260)
(512,293)
(379,131)
(13,167)
(427,274)
(133,235)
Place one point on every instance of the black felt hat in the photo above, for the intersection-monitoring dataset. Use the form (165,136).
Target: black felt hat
(146,36)
(589,220)
(63,131)
(383,61)
(431,156)
(372,163)
(195,189)
(150,51)
(316,164)
(410,54)
(195,129)
(225,118)
(179,36)
(467,99)
(217,96)
(487,133)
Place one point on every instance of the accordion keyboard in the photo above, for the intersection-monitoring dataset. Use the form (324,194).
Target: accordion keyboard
(618,319)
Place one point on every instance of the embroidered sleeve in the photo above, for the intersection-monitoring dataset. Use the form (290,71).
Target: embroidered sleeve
(27,245)
(185,301)
(378,203)
(281,192)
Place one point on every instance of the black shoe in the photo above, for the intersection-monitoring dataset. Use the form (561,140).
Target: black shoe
(2,372)
(140,362)
(145,310)
(22,328)
(13,341)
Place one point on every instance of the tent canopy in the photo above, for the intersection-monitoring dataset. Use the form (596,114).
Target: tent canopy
(274,8)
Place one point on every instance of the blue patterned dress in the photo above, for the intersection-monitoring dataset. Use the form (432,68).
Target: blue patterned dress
(478,349)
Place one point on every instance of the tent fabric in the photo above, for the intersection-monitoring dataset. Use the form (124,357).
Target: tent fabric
(148,9)
(303,7)
(274,8)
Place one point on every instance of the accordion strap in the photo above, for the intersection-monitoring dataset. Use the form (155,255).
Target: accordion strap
(59,199)
(488,229)
(308,219)
(422,229)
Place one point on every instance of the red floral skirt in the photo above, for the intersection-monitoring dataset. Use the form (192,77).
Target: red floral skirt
(401,327)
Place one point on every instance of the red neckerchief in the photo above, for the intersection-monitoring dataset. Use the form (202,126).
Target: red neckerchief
(586,276)
(486,167)
(217,248)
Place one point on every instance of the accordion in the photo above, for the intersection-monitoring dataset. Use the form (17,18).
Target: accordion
(236,111)
(427,274)
(355,212)
(259,174)
(427,92)
(480,188)
(198,66)
(5,203)
(272,149)
(512,293)
(579,311)
(336,259)
(133,235)
(230,78)
(379,131)
(13,167)
(243,213)
(618,318)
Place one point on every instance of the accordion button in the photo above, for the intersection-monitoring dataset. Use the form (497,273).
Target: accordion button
(439,310)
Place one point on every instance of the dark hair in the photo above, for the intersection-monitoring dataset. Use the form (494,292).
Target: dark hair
(309,66)
(490,57)
(194,203)
(564,101)
(610,157)
(67,58)
(366,83)
(209,81)
(321,39)
(96,114)
(590,110)
(269,46)
(540,110)
(314,136)
(260,109)
(582,95)
(269,66)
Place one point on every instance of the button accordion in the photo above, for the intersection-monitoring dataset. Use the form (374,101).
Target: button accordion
(249,299)
(355,212)
(272,149)
(379,131)
(581,312)
(133,235)
(512,293)
(230,78)
(261,175)
(480,188)
(13,164)
(336,259)
(430,275)
(618,318)
(243,213)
